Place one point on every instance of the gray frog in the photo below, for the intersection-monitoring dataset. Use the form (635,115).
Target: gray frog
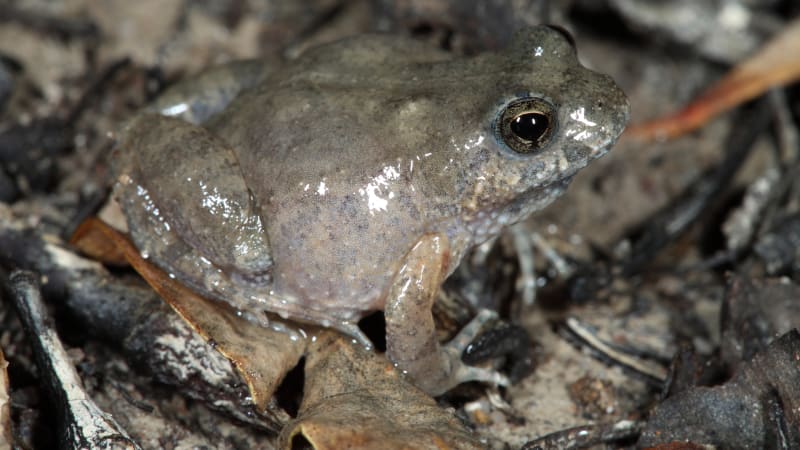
(354,179)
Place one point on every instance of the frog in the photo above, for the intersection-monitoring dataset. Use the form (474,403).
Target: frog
(352,179)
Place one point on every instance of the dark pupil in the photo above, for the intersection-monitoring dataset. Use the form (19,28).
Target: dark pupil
(530,126)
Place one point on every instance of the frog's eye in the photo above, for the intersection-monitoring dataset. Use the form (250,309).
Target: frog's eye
(526,125)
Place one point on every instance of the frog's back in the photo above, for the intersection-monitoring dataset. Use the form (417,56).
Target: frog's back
(340,186)
(340,212)
(357,151)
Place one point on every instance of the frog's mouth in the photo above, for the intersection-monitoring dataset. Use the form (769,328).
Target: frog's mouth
(580,156)
(539,197)
(488,224)
(603,148)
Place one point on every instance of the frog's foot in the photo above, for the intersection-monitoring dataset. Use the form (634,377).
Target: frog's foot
(460,372)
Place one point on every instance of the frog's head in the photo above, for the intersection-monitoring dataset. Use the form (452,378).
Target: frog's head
(543,118)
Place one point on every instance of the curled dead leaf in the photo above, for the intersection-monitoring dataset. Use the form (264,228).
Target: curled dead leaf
(262,356)
(355,399)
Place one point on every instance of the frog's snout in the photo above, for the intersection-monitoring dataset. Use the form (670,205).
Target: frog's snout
(613,107)
(620,113)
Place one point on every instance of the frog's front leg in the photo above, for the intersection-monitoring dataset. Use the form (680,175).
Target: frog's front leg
(411,342)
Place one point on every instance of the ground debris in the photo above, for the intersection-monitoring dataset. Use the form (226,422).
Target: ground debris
(133,317)
(657,255)
(352,398)
(82,422)
(775,65)
(757,408)
(5,405)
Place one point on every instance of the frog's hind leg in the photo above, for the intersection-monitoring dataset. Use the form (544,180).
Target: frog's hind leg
(187,202)
(196,99)
(411,342)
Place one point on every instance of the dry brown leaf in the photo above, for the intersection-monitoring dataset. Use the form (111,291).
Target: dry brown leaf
(261,355)
(355,399)
(776,64)
(92,242)
(5,405)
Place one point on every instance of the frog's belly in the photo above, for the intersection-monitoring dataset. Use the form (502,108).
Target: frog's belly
(335,258)
(330,295)
(304,298)
(340,293)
